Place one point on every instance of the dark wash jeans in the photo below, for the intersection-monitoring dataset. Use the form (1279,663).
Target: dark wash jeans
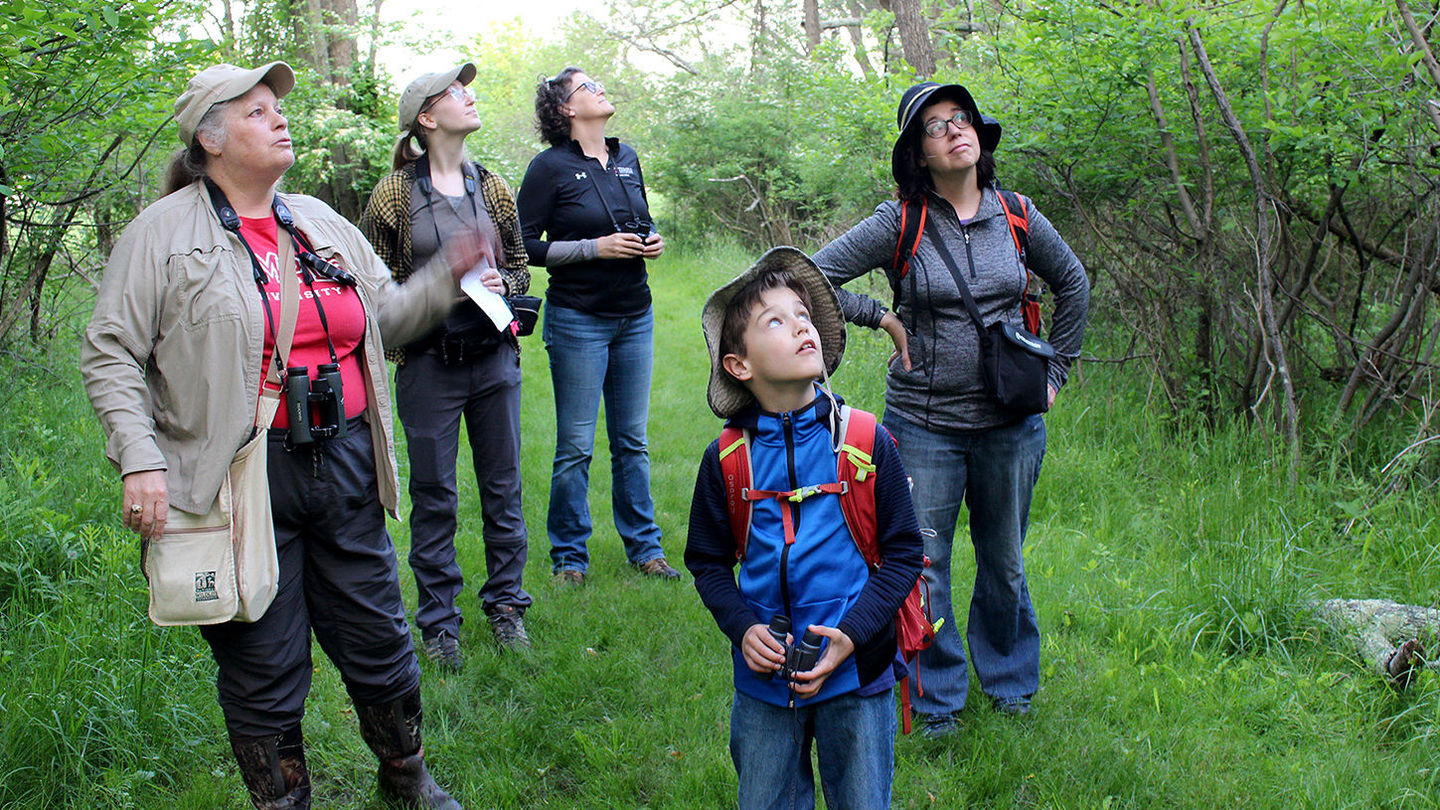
(993,472)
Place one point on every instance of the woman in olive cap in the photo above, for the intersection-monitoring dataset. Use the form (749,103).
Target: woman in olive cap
(956,442)
(175,359)
(464,368)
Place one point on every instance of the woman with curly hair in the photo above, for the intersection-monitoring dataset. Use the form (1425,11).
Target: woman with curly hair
(586,196)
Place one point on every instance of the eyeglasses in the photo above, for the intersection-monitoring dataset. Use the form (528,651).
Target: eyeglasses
(961,119)
(595,88)
(460,94)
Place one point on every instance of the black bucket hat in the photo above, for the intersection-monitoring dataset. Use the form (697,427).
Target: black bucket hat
(918,98)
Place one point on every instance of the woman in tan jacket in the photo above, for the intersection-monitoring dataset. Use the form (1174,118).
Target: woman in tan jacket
(174,361)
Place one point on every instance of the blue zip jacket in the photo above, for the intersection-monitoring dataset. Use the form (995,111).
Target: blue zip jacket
(821,578)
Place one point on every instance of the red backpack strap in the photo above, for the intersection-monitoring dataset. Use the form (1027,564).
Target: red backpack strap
(912,226)
(735,469)
(1017,216)
(855,468)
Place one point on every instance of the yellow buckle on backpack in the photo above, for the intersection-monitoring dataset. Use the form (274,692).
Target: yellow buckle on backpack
(864,463)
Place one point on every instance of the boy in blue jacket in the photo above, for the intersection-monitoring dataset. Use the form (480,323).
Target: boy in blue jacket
(774,333)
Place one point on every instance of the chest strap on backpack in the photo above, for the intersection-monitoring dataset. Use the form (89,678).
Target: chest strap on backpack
(793,496)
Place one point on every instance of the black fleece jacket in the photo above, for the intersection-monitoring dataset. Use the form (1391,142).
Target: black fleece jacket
(568,196)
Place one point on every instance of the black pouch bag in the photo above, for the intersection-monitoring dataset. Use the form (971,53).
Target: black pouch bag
(526,309)
(1015,364)
(1016,368)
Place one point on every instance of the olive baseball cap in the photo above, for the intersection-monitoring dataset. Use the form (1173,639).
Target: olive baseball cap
(727,395)
(221,83)
(426,86)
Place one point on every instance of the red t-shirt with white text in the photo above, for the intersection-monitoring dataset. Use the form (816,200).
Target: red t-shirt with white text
(343,311)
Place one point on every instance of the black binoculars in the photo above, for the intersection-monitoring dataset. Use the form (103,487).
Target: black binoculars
(316,406)
(800,656)
(642,228)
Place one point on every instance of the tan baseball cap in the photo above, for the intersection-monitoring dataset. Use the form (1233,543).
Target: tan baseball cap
(426,86)
(221,83)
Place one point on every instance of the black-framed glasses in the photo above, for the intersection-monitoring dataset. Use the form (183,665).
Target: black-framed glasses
(961,119)
(594,87)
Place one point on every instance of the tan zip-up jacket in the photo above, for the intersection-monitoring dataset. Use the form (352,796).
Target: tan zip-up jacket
(171,358)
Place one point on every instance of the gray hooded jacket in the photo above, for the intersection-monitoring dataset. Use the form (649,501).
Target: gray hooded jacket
(943,391)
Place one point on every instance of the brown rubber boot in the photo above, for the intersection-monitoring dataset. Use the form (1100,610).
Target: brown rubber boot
(273,769)
(392,730)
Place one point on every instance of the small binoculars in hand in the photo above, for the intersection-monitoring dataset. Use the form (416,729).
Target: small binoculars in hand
(800,656)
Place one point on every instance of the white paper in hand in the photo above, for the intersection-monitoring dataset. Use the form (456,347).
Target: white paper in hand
(490,303)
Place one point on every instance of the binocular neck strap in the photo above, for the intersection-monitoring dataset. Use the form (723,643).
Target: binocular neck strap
(284,335)
(598,193)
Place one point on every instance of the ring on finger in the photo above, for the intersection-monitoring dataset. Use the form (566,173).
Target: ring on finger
(136,509)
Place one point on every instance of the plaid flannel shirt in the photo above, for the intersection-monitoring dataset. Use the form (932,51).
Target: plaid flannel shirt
(386,223)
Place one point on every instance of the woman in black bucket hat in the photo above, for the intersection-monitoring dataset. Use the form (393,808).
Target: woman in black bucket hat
(957,443)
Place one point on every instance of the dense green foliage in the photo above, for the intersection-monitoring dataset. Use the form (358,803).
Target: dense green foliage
(1171,566)
(1261,227)
(1263,242)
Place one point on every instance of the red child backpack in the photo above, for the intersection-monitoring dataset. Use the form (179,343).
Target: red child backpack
(855,485)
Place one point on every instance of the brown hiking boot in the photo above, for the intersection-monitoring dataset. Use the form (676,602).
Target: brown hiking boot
(507,622)
(569,577)
(273,769)
(659,569)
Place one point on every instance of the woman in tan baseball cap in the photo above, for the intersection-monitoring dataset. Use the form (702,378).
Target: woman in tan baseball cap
(466,368)
(181,361)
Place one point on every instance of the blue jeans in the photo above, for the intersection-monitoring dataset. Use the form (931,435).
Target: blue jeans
(855,743)
(593,356)
(994,473)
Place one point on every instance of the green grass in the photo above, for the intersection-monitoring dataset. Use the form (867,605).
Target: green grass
(1170,568)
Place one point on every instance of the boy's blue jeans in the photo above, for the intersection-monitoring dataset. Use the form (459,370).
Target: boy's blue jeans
(592,356)
(994,473)
(854,739)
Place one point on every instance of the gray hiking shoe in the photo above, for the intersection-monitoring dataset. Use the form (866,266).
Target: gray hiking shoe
(444,649)
(939,726)
(507,622)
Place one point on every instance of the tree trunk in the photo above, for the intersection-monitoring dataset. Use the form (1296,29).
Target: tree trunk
(812,26)
(915,36)
(1427,58)
(341,20)
(857,39)
(1264,209)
